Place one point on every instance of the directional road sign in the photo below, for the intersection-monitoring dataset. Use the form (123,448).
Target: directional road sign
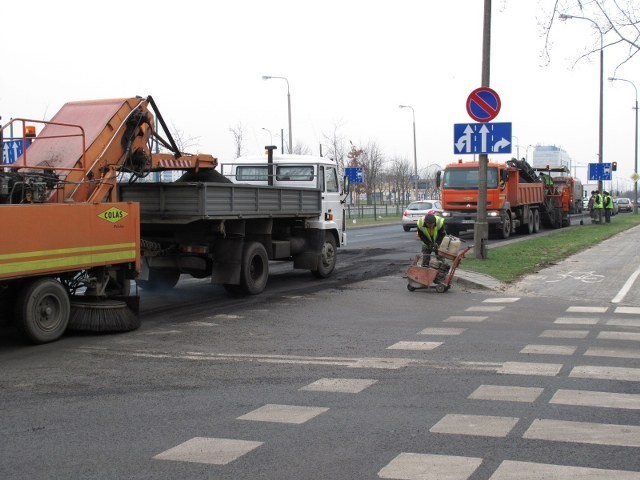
(599,171)
(483,104)
(354,174)
(476,138)
(12,150)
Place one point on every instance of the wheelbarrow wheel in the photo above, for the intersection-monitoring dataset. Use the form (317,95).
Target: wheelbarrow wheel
(411,288)
(441,288)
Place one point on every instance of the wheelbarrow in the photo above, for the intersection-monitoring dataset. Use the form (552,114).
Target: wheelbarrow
(438,274)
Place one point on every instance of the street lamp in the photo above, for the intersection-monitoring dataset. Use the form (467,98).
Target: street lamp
(635,165)
(269,132)
(415,156)
(526,153)
(267,77)
(600,117)
(517,146)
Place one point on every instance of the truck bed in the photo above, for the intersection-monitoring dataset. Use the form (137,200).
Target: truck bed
(182,202)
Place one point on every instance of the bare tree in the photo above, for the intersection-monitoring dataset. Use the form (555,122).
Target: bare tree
(429,175)
(182,142)
(401,170)
(336,146)
(238,138)
(301,149)
(617,20)
(372,160)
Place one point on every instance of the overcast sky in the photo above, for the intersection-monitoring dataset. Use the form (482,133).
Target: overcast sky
(349,63)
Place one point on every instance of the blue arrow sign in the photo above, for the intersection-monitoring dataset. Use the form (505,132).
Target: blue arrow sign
(599,171)
(475,138)
(12,150)
(355,174)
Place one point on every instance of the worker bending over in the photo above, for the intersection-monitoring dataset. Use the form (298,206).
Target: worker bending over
(431,231)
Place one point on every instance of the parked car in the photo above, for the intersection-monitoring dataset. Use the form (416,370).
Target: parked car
(625,205)
(418,209)
(615,210)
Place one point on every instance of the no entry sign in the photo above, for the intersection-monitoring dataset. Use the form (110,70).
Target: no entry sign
(483,104)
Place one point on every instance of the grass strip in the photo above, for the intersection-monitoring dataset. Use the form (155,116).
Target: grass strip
(511,262)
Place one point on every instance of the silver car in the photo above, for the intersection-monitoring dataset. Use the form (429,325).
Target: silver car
(415,210)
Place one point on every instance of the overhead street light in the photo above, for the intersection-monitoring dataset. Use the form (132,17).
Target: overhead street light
(600,115)
(415,156)
(635,165)
(270,135)
(268,77)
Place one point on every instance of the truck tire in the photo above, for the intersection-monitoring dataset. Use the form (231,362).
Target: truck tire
(255,268)
(42,310)
(505,229)
(530,224)
(536,221)
(327,259)
(160,279)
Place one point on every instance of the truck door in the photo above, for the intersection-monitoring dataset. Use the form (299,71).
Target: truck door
(331,195)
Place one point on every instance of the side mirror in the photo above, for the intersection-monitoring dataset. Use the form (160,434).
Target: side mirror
(505,175)
(438,178)
(345,185)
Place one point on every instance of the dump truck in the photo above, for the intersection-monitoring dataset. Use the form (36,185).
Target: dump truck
(83,224)
(517,200)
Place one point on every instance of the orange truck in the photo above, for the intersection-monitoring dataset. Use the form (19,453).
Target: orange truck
(71,247)
(517,200)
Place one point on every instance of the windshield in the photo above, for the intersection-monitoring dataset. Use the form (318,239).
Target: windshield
(420,206)
(467,178)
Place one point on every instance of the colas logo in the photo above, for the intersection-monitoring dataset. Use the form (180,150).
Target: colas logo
(113,215)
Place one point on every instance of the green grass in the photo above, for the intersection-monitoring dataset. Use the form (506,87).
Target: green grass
(510,262)
(371,220)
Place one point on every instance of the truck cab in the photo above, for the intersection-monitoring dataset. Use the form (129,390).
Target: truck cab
(296,171)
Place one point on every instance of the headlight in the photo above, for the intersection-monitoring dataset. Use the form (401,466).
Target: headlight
(493,213)
(445,214)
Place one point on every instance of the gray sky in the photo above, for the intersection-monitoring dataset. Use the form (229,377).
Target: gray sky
(348,62)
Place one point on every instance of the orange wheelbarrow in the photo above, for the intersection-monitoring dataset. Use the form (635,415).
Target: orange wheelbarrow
(438,274)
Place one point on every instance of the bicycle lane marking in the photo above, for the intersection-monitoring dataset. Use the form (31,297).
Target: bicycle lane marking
(626,287)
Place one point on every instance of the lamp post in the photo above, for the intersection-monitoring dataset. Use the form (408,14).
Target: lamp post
(517,146)
(600,117)
(635,165)
(270,136)
(267,77)
(526,153)
(415,156)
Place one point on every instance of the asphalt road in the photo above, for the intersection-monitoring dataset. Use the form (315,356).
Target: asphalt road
(354,378)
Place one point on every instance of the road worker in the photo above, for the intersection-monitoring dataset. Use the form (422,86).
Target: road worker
(431,231)
(598,207)
(607,203)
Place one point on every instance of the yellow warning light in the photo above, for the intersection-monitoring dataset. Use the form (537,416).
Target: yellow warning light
(29,131)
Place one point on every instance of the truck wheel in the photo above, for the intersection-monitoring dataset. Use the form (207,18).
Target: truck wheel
(327,259)
(42,310)
(536,221)
(255,268)
(530,225)
(160,279)
(505,231)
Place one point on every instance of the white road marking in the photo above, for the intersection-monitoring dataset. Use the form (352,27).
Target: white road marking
(565,334)
(606,373)
(524,368)
(549,349)
(578,309)
(465,318)
(612,352)
(480,425)
(607,335)
(442,331)
(414,346)
(501,300)
(585,398)
(283,414)
(631,310)
(626,287)
(506,393)
(424,466)
(576,321)
(339,385)
(213,451)
(584,432)
(482,308)
(622,322)
(509,469)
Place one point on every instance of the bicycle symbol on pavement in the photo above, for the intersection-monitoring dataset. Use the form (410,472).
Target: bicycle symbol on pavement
(585,277)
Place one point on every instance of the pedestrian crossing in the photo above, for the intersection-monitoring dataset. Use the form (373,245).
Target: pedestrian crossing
(579,324)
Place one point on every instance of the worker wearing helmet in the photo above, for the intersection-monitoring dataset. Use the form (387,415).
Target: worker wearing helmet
(431,231)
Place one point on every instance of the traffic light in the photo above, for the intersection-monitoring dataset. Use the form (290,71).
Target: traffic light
(614,166)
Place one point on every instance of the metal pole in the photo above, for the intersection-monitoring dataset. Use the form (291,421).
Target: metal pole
(415,156)
(601,120)
(635,165)
(481,228)
(289,109)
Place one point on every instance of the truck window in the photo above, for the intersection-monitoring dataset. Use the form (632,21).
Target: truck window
(252,174)
(467,178)
(294,172)
(331,179)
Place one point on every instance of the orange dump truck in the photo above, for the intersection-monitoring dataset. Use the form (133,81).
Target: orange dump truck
(516,198)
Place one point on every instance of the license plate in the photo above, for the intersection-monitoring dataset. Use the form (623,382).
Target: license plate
(468,221)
